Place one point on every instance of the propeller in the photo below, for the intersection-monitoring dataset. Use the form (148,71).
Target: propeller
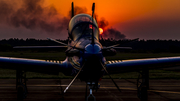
(114,46)
(65,45)
(73,79)
(58,41)
(110,76)
(25,47)
(72,47)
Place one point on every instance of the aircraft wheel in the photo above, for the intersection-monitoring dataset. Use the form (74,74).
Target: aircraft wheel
(21,92)
(139,86)
(91,98)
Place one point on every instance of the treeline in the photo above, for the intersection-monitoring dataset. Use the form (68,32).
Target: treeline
(139,46)
(146,46)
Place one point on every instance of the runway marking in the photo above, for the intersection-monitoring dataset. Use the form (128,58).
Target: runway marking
(46,85)
(108,86)
(112,94)
(105,87)
(164,85)
(35,85)
(120,88)
(159,91)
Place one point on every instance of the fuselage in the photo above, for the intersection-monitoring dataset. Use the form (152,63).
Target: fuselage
(85,54)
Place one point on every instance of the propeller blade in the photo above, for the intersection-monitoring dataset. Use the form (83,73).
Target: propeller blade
(57,41)
(135,39)
(73,80)
(27,47)
(72,47)
(122,47)
(110,76)
(114,46)
(111,46)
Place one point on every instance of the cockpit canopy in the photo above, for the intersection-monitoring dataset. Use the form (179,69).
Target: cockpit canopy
(81,25)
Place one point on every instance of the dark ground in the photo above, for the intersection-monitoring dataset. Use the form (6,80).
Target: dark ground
(50,90)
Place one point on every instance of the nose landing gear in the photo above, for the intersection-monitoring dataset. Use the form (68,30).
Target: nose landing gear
(92,86)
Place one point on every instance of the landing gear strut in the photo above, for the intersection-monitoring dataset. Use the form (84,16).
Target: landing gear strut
(143,85)
(21,84)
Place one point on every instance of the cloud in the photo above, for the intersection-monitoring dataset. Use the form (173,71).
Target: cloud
(110,32)
(103,23)
(33,15)
(78,10)
(5,10)
(113,33)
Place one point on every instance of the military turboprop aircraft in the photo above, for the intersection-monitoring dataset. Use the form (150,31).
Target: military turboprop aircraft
(85,59)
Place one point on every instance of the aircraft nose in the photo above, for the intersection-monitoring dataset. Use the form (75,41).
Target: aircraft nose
(93,51)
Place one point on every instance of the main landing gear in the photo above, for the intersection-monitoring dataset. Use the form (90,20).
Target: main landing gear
(21,85)
(143,85)
(92,86)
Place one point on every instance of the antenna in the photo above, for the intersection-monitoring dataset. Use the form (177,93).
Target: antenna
(93,8)
(72,10)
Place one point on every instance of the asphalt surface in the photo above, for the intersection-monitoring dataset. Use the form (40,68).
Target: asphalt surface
(51,90)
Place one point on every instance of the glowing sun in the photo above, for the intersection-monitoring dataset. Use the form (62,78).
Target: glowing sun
(100,30)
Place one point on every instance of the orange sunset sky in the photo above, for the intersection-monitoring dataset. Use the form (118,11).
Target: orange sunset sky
(144,19)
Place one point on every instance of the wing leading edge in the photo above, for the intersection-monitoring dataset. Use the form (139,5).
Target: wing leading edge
(114,67)
(42,66)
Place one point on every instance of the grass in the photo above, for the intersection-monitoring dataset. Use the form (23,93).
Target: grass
(154,74)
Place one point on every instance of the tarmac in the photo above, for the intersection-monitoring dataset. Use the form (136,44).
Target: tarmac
(51,90)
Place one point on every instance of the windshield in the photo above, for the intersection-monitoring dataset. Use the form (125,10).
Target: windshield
(81,25)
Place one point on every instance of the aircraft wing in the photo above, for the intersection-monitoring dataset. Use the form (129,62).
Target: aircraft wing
(34,65)
(118,66)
